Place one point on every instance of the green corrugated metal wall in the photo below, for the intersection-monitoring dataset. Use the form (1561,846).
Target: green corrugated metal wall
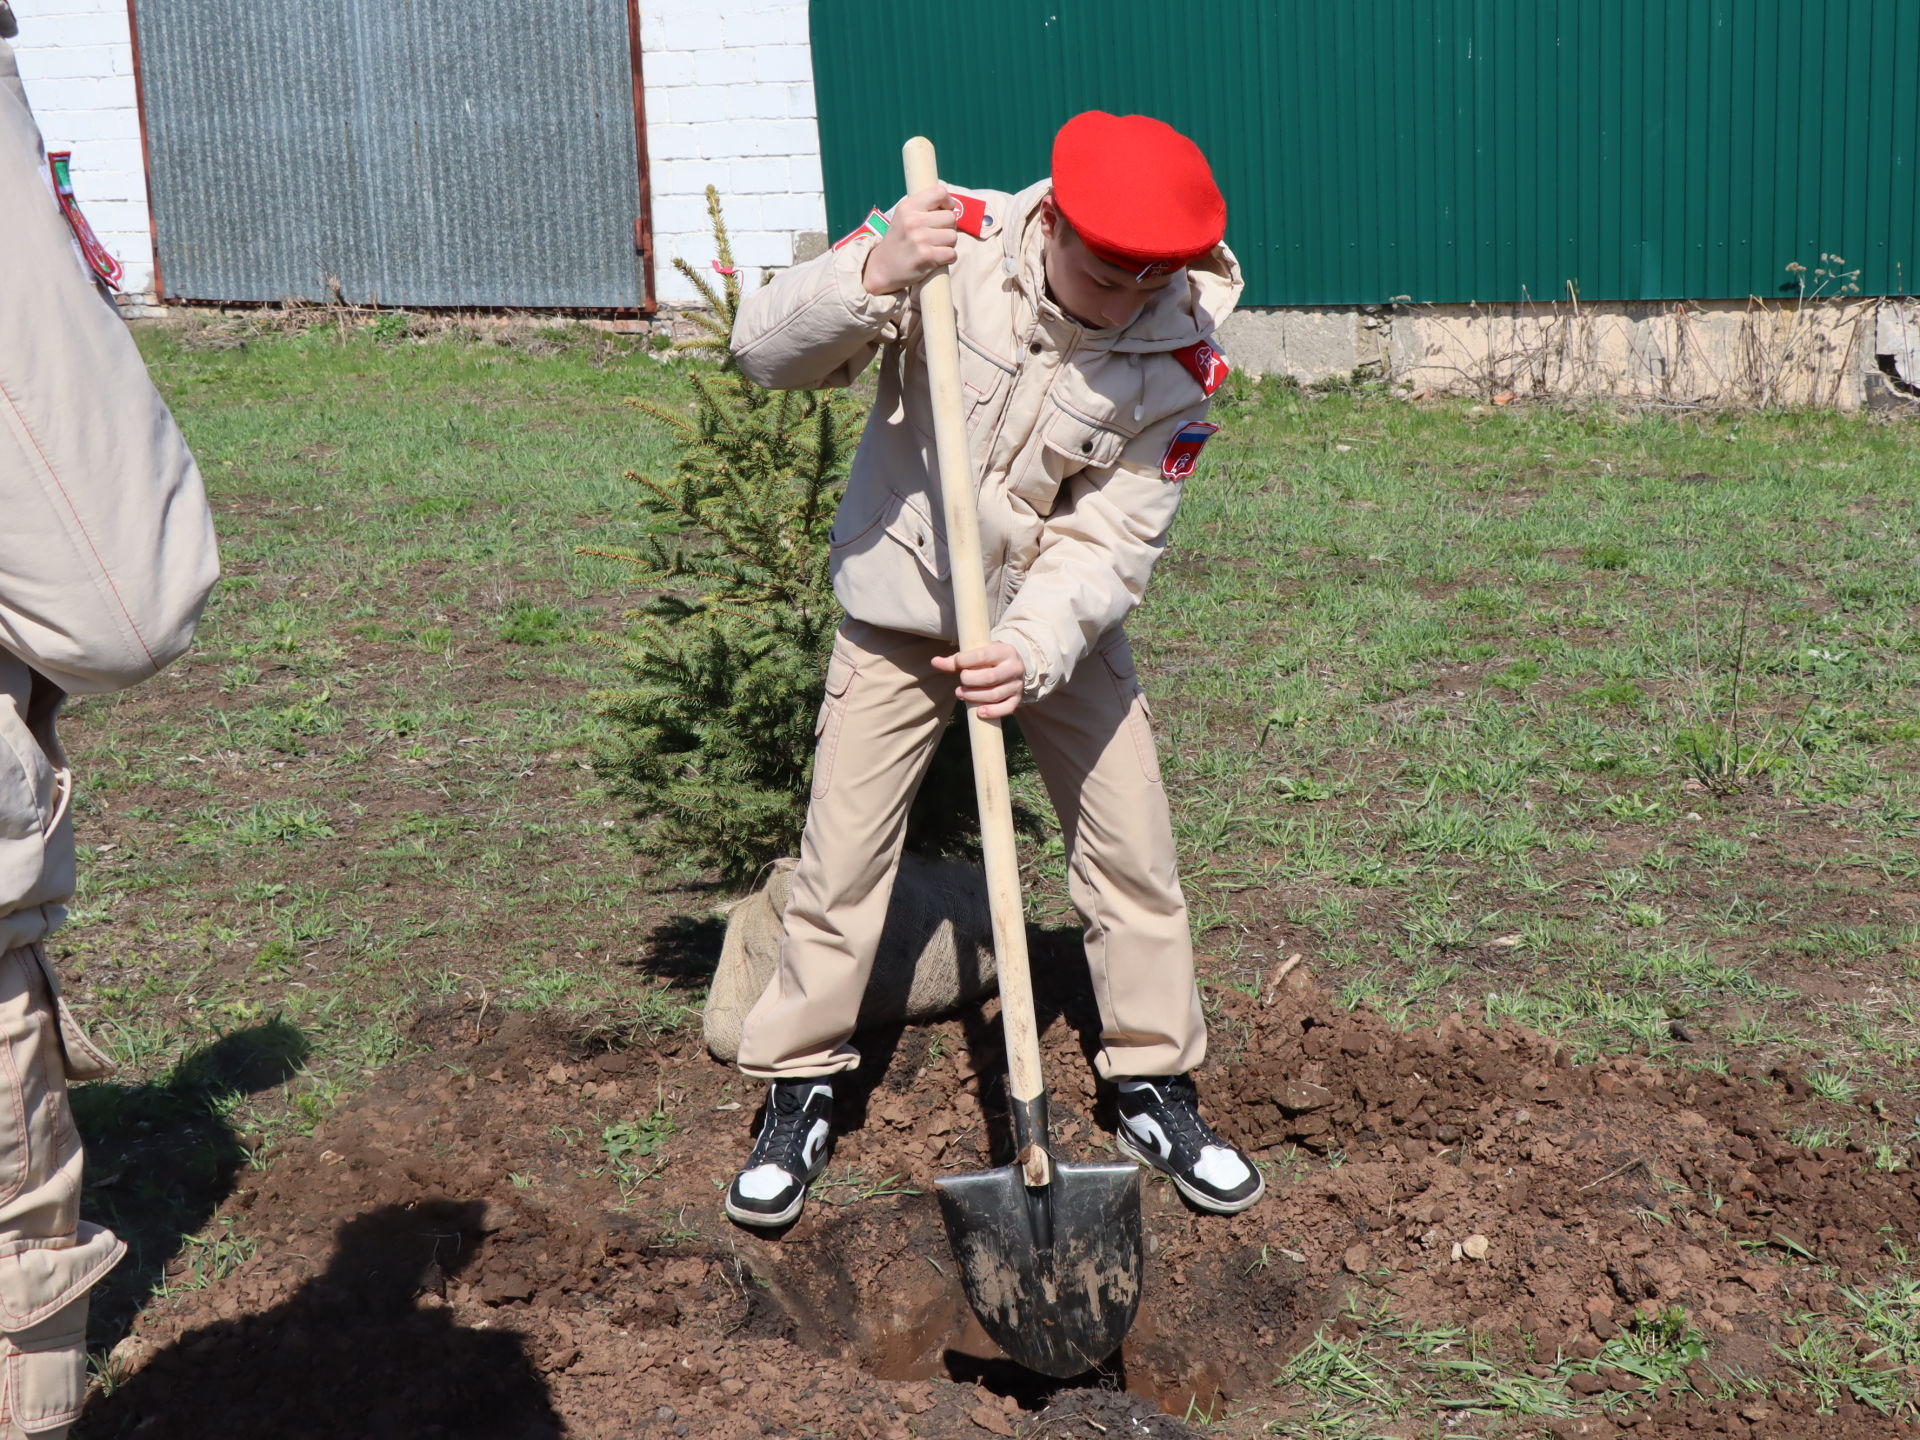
(1440,150)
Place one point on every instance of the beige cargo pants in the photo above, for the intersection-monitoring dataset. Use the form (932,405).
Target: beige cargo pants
(49,1257)
(881,720)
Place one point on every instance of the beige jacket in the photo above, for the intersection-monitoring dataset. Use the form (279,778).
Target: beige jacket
(106,546)
(1067,427)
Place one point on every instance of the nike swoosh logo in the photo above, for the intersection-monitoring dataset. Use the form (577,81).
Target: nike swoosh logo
(1153,1134)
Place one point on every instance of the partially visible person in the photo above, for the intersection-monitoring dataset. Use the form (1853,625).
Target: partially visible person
(106,556)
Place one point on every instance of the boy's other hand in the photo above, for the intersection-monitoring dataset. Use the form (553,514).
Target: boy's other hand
(920,238)
(992,679)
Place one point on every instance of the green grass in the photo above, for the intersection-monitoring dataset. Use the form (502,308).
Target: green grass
(1867,1353)
(365,791)
(1650,727)
(632,1147)
(1372,1374)
(1477,709)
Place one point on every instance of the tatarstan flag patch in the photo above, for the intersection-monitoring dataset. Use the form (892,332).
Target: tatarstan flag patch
(1183,451)
(1207,364)
(875,225)
(60,166)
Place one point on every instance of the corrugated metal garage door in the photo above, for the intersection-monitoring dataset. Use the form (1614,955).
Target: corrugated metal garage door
(409,152)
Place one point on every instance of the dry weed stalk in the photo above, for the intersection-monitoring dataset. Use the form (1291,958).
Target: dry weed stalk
(1797,351)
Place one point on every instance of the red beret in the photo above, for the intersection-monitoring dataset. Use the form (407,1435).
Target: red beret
(1137,191)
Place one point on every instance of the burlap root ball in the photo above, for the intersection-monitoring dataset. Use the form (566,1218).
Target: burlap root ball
(936,951)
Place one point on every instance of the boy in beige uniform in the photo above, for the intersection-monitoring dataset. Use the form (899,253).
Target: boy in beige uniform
(106,555)
(1087,305)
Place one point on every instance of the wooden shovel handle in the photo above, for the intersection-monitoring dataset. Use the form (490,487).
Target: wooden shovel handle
(941,334)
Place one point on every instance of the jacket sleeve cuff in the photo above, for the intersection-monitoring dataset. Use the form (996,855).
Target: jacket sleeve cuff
(873,311)
(1041,678)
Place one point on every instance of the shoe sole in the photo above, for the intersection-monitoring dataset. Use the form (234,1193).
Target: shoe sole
(1197,1196)
(761,1219)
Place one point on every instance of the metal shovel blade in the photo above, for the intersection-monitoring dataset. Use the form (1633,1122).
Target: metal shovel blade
(1053,1272)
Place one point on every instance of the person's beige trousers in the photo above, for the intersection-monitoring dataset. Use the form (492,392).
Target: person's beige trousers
(49,1257)
(884,710)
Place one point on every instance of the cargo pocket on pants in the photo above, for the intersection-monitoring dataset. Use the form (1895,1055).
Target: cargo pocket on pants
(82,1059)
(826,730)
(43,1327)
(1117,656)
(46,1371)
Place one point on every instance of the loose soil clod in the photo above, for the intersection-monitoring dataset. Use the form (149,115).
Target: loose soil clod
(453,1253)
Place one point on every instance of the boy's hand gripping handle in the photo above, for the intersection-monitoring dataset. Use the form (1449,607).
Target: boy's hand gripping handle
(942,342)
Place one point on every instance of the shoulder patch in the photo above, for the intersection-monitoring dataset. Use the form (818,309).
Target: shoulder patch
(875,225)
(1183,451)
(973,212)
(974,219)
(1207,364)
(59,168)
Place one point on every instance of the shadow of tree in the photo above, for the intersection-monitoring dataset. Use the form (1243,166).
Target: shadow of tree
(685,950)
(365,1349)
(163,1155)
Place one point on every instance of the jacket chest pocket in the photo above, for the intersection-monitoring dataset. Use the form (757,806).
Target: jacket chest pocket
(1064,443)
(984,387)
(982,373)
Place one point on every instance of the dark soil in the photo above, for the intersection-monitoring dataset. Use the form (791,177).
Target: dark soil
(451,1254)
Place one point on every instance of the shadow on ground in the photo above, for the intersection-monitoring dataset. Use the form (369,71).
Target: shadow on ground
(367,1349)
(163,1155)
(685,951)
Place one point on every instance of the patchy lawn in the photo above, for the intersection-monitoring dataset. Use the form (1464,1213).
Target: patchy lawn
(1601,722)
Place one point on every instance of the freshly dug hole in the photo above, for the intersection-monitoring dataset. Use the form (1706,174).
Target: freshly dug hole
(459,1230)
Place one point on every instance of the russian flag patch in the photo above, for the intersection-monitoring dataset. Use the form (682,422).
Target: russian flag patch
(1183,451)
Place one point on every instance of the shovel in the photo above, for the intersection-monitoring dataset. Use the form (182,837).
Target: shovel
(1049,1251)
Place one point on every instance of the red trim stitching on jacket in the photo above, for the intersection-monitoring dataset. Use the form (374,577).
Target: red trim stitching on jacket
(81,526)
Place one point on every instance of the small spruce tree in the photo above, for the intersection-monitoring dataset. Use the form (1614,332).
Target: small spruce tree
(713,738)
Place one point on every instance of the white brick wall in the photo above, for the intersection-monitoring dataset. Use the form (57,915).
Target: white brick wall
(729,103)
(76,61)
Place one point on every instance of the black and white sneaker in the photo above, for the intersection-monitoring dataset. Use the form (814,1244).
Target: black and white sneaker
(1160,1125)
(788,1154)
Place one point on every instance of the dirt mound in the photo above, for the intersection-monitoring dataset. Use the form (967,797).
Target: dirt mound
(518,1237)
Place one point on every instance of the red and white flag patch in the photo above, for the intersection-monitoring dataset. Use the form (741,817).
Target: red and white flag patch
(1208,365)
(1183,451)
(973,212)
